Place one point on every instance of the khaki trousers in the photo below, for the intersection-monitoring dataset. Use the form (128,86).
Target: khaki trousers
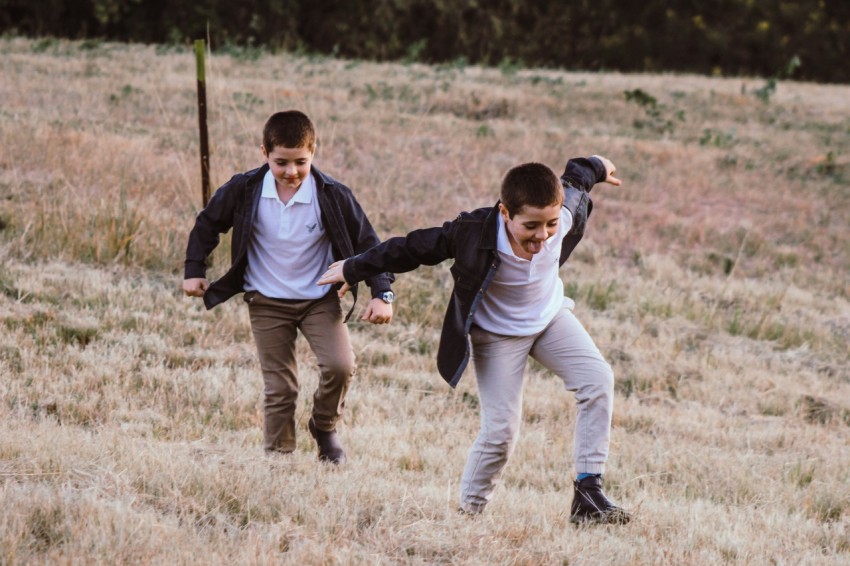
(567,349)
(275,324)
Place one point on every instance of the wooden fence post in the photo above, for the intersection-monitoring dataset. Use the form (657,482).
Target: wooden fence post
(202,120)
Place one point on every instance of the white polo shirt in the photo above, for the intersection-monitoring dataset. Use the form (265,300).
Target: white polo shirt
(525,295)
(289,248)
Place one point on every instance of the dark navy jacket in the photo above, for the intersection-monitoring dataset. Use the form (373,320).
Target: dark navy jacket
(470,240)
(234,205)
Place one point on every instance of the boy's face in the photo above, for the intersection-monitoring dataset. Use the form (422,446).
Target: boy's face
(530,227)
(289,165)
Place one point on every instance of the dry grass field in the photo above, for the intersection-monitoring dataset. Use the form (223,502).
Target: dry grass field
(716,280)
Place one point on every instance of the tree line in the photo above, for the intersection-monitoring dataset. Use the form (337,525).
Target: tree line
(721,37)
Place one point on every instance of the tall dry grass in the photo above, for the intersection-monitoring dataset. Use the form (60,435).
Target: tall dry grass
(715,281)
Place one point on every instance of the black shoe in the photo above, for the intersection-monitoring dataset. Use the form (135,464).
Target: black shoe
(330,450)
(591,506)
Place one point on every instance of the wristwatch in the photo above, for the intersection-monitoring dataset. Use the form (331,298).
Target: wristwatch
(387,296)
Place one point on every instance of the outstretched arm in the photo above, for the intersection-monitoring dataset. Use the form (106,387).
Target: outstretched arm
(428,246)
(579,177)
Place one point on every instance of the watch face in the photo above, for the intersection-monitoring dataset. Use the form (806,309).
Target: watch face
(387,297)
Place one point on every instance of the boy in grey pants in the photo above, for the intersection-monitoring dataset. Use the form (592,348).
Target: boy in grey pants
(508,303)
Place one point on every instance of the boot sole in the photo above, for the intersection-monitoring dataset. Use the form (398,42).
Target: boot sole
(610,518)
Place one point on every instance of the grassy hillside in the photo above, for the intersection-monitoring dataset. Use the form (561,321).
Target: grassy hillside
(715,280)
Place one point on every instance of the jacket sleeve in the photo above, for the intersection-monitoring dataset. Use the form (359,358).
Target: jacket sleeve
(582,173)
(428,246)
(363,237)
(215,219)
(578,179)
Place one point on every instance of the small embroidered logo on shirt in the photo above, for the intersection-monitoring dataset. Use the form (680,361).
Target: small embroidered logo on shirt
(311,228)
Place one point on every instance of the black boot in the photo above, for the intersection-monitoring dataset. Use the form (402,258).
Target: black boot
(330,450)
(591,506)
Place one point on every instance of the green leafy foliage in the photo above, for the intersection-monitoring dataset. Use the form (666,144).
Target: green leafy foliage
(658,117)
(767,38)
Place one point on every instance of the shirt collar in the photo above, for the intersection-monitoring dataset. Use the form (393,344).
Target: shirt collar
(503,245)
(304,195)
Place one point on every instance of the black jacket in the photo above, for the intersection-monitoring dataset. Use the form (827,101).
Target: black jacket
(234,205)
(471,240)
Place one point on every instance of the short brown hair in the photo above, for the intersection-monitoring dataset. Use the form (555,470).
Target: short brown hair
(289,129)
(530,184)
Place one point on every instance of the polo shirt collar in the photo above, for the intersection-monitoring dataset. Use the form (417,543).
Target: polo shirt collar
(502,243)
(304,195)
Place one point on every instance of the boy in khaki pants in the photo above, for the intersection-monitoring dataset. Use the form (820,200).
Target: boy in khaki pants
(289,221)
(508,301)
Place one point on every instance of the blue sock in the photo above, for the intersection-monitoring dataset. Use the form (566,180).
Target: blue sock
(582,476)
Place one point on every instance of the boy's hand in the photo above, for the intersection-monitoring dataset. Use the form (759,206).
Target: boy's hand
(196,286)
(334,275)
(610,170)
(378,312)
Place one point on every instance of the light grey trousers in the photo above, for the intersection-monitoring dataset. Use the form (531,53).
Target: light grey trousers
(565,348)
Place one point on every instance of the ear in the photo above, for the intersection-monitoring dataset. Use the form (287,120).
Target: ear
(503,210)
(265,153)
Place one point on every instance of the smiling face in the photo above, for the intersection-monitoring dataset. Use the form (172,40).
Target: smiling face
(530,227)
(289,165)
